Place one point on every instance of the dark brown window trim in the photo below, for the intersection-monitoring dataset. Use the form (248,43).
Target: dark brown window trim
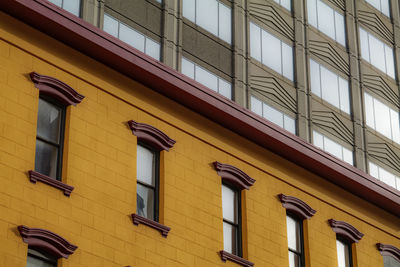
(35,176)
(239,260)
(97,44)
(234,175)
(46,240)
(137,219)
(55,88)
(389,250)
(297,206)
(346,230)
(151,135)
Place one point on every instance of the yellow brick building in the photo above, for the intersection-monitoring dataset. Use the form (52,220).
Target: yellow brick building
(120,84)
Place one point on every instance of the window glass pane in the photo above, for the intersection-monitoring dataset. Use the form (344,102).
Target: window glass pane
(344,95)
(110,25)
(56,2)
(255,41)
(38,259)
(131,37)
(273,115)
(34,262)
(72,6)
(207,15)
(224,88)
(377,53)
(369,111)
(342,254)
(394,118)
(188,9)
(387,177)
(312,12)
(383,123)
(145,165)
(286,4)
(385,7)
(145,201)
(46,159)
(364,45)
(389,61)
(318,140)
(152,49)
(348,156)
(326,19)
(389,261)
(256,106)
(373,170)
(315,78)
(330,86)
(290,124)
(293,233)
(206,78)
(333,148)
(230,238)
(229,204)
(287,61)
(294,260)
(339,26)
(271,53)
(188,68)
(225,23)
(49,121)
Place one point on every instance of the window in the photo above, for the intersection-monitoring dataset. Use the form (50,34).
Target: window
(211,15)
(343,253)
(49,137)
(381,5)
(206,78)
(389,261)
(377,53)
(384,176)
(285,3)
(329,86)
(332,147)
(39,259)
(381,118)
(72,6)
(231,220)
(271,51)
(273,115)
(327,20)
(391,255)
(295,241)
(147,182)
(131,36)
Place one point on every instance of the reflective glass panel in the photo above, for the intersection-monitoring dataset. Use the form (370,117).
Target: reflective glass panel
(348,156)
(145,201)
(46,159)
(229,204)
(369,111)
(394,119)
(382,124)
(37,259)
(57,2)
(385,7)
(387,177)
(131,37)
(224,88)
(389,261)
(315,78)
(342,254)
(389,61)
(255,41)
(72,6)
(145,165)
(206,78)
(329,86)
(364,45)
(318,140)
(333,148)
(225,23)
(287,61)
(152,49)
(373,170)
(188,68)
(271,53)
(49,121)
(293,233)
(207,15)
(326,21)
(256,106)
(312,12)
(286,4)
(377,53)
(110,25)
(290,124)
(344,95)
(273,115)
(188,9)
(294,260)
(340,30)
(230,238)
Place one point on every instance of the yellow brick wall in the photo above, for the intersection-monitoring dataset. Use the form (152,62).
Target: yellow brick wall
(100,159)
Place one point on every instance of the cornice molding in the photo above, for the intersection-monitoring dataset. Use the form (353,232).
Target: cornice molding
(389,250)
(151,135)
(233,175)
(137,219)
(297,206)
(35,176)
(46,240)
(57,89)
(346,230)
(231,257)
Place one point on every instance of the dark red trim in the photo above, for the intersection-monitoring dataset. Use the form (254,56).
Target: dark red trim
(101,46)
(389,250)
(55,88)
(346,230)
(151,135)
(297,206)
(46,241)
(231,257)
(35,176)
(233,175)
(137,219)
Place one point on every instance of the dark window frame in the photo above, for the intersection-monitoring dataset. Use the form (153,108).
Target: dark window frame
(60,146)
(47,257)
(349,247)
(301,236)
(238,237)
(156,187)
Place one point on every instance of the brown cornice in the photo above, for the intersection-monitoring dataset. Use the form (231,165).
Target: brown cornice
(137,219)
(48,241)
(125,59)
(36,176)
(233,175)
(151,135)
(55,88)
(297,206)
(346,230)
(389,250)
(239,260)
